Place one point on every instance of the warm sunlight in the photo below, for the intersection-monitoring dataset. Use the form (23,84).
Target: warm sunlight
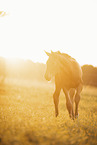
(48,72)
(34,26)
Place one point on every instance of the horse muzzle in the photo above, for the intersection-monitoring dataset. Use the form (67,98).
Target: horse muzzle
(47,77)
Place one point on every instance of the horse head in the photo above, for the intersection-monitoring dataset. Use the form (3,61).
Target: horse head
(52,67)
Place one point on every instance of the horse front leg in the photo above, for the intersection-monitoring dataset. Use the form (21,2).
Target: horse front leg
(56,100)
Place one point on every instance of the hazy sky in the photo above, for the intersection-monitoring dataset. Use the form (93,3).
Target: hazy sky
(33,26)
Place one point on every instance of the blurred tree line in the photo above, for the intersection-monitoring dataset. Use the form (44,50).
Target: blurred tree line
(21,69)
(89,75)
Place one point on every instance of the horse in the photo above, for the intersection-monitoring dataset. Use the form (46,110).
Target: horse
(68,77)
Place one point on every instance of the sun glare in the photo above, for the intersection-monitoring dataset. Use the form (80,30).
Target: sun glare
(13,61)
(30,28)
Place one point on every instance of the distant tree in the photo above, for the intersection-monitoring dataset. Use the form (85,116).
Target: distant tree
(26,70)
(89,75)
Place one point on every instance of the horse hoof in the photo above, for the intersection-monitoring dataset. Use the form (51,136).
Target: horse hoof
(56,114)
(76,116)
(70,115)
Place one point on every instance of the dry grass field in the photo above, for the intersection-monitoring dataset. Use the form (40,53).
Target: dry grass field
(27,116)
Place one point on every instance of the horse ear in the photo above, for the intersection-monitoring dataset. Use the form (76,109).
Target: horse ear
(47,53)
(52,52)
(58,52)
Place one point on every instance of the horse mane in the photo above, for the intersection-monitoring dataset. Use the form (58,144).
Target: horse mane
(64,60)
(65,55)
(68,65)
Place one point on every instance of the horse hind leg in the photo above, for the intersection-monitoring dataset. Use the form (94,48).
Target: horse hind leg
(77,99)
(68,102)
(72,96)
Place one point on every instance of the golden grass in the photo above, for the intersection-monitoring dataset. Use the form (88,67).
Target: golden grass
(27,117)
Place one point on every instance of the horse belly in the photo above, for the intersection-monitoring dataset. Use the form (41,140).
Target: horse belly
(66,81)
